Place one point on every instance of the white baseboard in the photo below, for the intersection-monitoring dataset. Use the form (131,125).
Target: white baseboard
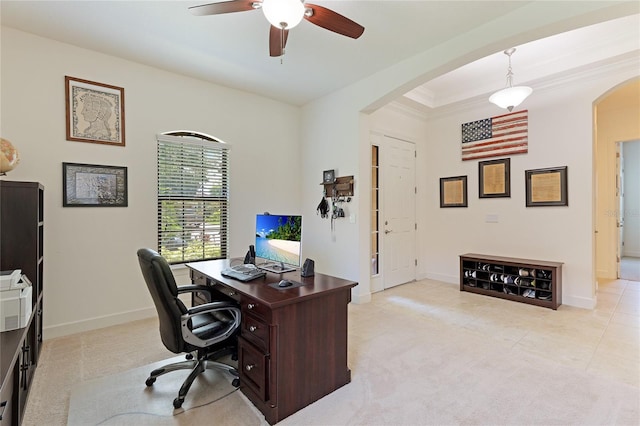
(451,279)
(360,298)
(630,253)
(579,302)
(97,322)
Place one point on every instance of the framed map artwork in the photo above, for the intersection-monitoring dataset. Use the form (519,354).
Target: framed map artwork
(494,178)
(94,112)
(89,185)
(453,191)
(547,187)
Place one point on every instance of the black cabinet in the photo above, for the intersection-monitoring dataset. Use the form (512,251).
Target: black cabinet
(529,281)
(21,247)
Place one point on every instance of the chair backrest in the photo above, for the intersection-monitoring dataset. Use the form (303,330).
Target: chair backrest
(162,286)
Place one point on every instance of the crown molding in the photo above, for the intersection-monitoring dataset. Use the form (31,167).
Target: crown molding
(629,61)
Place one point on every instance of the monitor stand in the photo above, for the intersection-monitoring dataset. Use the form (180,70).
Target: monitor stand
(276,268)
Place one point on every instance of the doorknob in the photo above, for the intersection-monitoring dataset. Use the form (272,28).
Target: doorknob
(386,231)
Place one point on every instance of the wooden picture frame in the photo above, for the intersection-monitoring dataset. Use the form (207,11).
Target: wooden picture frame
(90,185)
(453,191)
(547,187)
(94,112)
(494,177)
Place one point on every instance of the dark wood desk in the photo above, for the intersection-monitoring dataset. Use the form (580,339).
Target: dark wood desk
(293,342)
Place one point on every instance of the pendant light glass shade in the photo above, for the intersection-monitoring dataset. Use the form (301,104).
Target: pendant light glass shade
(284,14)
(510,97)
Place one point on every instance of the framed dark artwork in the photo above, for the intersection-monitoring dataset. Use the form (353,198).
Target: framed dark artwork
(547,187)
(90,185)
(453,191)
(494,178)
(328,176)
(94,112)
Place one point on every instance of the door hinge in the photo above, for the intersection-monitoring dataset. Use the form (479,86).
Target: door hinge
(415,189)
(415,226)
(416,262)
(415,154)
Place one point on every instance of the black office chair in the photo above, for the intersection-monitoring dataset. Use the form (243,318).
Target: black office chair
(209,329)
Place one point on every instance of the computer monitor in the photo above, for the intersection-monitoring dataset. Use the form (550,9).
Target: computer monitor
(278,241)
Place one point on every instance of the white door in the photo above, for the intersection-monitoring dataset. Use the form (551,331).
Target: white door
(399,211)
(620,203)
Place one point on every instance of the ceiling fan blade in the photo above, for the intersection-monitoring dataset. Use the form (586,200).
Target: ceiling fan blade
(333,21)
(223,7)
(277,41)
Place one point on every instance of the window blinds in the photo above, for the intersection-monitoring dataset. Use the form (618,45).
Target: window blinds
(193,192)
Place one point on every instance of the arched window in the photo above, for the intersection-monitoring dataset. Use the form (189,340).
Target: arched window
(193,196)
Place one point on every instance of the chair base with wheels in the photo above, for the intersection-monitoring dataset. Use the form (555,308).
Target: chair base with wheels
(196,366)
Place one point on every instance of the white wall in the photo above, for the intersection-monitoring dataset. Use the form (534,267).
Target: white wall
(336,129)
(560,134)
(91,276)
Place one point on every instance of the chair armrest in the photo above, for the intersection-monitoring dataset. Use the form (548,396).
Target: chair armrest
(211,307)
(191,288)
(229,307)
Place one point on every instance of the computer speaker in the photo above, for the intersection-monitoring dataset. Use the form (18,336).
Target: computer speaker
(307,268)
(250,257)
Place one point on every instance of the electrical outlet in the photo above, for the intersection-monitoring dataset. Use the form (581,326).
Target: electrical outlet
(491,218)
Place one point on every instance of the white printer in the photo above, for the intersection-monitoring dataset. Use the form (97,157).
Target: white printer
(15,300)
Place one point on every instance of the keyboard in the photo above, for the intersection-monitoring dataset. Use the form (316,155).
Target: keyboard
(243,272)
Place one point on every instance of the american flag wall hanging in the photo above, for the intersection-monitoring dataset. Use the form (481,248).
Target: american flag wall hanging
(496,136)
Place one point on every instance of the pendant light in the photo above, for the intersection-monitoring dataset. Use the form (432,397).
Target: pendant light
(510,97)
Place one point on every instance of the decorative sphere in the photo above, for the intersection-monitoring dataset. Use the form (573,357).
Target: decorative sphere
(9,157)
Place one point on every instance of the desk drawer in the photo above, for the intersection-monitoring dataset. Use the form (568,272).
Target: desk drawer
(198,278)
(255,330)
(256,309)
(252,366)
(228,292)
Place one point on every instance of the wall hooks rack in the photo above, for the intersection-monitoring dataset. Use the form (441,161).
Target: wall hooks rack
(340,187)
(340,190)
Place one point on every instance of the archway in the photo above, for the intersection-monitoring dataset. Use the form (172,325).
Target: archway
(616,119)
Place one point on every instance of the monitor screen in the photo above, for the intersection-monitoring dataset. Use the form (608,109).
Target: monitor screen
(278,238)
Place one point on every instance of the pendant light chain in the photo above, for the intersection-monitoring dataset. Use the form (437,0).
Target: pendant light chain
(509,52)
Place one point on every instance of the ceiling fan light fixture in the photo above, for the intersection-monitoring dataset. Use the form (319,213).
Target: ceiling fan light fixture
(510,97)
(283,13)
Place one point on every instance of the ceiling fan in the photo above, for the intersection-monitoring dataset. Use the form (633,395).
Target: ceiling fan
(284,15)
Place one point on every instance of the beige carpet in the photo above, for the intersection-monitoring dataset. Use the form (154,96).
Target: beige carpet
(422,353)
(420,379)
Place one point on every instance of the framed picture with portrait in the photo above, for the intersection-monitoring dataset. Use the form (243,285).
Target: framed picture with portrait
(94,112)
